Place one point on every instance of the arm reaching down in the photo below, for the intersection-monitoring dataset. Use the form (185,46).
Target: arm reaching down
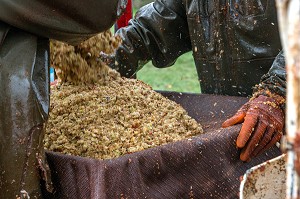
(159,33)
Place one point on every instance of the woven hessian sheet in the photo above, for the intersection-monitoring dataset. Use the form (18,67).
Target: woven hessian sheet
(206,166)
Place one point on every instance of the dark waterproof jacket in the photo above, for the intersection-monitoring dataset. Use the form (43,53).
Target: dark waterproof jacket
(66,20)
(234,43)
(25,29)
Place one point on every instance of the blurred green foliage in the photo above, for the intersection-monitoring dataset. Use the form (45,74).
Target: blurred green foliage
(181,77)
(139,3)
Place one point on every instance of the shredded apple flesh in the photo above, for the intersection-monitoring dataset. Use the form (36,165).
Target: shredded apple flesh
(94,112)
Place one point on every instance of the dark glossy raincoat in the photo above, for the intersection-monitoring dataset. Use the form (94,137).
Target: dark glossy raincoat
(25,27)
(234,43)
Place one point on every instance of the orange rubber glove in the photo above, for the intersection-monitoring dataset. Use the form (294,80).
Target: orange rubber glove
(263,126)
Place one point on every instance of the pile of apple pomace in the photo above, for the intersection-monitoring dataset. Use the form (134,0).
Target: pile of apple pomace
(96,113)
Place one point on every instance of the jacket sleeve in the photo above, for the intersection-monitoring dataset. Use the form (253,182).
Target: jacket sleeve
(275,79)
(4,28)
(71,21)
(159,33)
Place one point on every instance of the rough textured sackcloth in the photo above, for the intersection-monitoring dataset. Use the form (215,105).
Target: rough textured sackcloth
(206,166)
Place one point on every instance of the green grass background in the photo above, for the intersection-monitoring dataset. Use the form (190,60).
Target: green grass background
(181,77)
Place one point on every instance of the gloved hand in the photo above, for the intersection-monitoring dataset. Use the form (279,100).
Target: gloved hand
(127,66)
(263,126)
(109,59)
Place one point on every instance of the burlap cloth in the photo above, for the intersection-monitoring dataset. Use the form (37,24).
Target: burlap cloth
(206,166)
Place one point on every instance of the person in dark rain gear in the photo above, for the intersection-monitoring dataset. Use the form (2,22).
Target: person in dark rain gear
(236,47)
(25,29)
